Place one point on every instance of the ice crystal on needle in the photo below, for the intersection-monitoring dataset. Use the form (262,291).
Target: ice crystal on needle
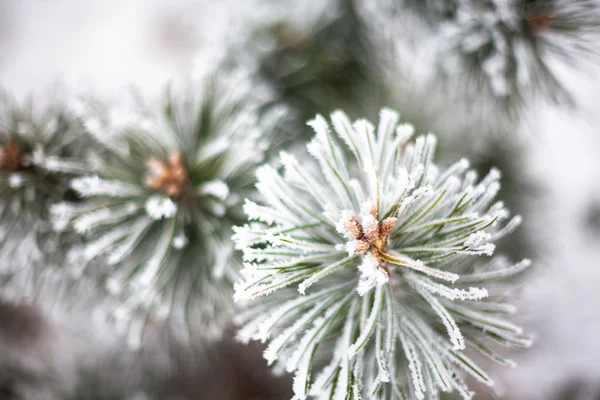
(375,261)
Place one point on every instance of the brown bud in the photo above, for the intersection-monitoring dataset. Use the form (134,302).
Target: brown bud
(11,156)
(373,211)
(354,228)
(170,178)
(176,159)
(539,21)
(361,246)
(371,231)
(386,226)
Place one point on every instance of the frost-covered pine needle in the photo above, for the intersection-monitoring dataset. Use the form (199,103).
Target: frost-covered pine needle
(310,54)
(375,261)
(160,193)
(508,46)
(40,143)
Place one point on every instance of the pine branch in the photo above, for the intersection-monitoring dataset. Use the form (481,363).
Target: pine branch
(39,143)
(160,194)
(507,47)
(311,55)
(377,241)
(498,57)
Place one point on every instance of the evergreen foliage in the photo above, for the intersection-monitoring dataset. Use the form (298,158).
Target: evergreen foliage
(381,244)
(368,268)
(160,193)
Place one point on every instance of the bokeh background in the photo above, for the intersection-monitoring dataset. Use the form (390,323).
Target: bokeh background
(551,159)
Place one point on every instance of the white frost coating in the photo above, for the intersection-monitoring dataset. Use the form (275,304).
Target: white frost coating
(180,241)
(265,326)
(144,279)
(125,247)
(271,352)
(216,188)
(15,180)
(265,214)
(59,165)
(92,125)
(60,215)
(309,341)
(114,285)
(339,353)
(88,220)
(38,155)
(341,387)
(372,275)
(350,134)
(495,26)
(345,216)
(240,292)
(113,192)
(401,185)
(478,243)
(104,242)
(388,119)
(96,186)
(301,379)
(469,366)
(249,270)
(291,242)
(404,132)
(245,292)
(513,224)
(324,376)
(503,271)
(279,195)
(159,207)
(295,172)
(473,293)
(351,246)
(123,118)
(323,272)
(368,221)
(244,237)
(418,265)
(359,194)
(246,332)
(415,367)
(217,209)
(456,337)
(486,321)
(498,212)
(368,327)
(440,372)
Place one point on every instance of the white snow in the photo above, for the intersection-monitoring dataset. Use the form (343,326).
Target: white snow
(159,207)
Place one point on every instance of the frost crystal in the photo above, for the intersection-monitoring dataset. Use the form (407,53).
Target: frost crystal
(159,207)
(366,259)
